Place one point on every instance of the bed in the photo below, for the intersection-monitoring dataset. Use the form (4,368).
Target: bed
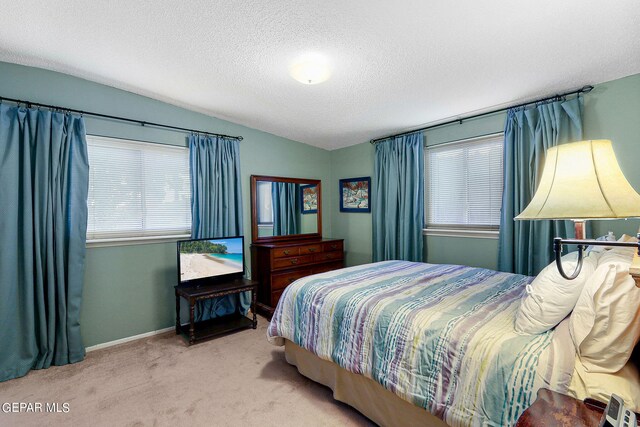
(434,343)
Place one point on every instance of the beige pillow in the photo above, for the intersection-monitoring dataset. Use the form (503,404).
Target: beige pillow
(625,383)
(605,323)
(627,238)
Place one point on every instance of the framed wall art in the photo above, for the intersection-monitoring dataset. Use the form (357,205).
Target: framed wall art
(309,197)
(355,194)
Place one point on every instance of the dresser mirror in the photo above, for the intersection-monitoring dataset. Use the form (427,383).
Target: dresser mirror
(285,208)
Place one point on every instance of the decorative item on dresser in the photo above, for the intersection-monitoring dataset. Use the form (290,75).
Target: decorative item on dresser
(286,244)
(276,207)
(278,264)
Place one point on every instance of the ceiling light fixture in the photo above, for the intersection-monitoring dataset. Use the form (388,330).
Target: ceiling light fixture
(310,69)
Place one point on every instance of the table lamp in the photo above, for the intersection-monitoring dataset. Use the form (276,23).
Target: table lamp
(581,181)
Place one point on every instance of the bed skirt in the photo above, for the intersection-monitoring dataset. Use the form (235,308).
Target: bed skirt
(367,396)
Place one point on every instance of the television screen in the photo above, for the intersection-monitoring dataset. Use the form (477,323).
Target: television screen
(210,258)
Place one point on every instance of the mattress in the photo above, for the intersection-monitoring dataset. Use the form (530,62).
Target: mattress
(367,396)
(440,337)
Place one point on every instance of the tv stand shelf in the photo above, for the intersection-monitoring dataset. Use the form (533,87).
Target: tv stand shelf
(197,331)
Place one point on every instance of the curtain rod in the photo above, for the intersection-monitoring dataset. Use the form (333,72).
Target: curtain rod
(584,89)
(122,119)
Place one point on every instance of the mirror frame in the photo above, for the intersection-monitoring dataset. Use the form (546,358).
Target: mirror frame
(254,209)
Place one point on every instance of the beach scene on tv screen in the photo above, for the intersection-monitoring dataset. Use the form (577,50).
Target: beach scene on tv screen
(208,258)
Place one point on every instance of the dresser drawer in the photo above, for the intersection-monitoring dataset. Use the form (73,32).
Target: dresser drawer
(292,262)
(328,256)
(310,249)
(285,252)
(332,246)
(281,281)
(327,267)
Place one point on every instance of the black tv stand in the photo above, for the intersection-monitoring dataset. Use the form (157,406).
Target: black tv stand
(198,331)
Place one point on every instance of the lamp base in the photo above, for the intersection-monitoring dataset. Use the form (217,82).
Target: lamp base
(579,227)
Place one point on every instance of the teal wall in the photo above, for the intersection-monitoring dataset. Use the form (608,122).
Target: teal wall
(354,227)
(309,223)
(611,111)
(129,289)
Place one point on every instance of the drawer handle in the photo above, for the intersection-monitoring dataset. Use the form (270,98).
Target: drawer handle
(328,256)
(312,249)
(294,261)
(286,252)
(334,246)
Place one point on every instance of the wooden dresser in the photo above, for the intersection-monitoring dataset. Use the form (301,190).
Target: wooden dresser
(278,264)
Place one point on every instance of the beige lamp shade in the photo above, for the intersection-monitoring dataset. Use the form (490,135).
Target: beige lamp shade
(582,180)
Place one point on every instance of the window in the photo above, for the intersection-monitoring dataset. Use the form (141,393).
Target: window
(464,187)
(265,209)
(137,190)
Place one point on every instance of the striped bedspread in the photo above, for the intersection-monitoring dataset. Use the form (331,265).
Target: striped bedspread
(439,336)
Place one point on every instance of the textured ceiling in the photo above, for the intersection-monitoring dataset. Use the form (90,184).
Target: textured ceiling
(396,64)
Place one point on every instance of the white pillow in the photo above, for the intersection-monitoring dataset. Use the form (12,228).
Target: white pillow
(605,324)
(550,297)
(621,255)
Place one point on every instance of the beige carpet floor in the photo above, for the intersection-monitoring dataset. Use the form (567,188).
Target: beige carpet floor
(235,380)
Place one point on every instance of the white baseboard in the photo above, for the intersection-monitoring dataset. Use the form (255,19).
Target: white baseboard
(128,339)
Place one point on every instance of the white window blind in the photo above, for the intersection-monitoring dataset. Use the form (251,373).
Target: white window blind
(265,208)
(464,183)
(137,189)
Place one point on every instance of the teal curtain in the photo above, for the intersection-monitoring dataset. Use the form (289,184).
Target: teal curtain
(216,206)
(44,171)
(398,198)
(285,201)
(525,247)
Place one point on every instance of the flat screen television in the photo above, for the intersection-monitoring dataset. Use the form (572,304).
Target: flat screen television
(202,261)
